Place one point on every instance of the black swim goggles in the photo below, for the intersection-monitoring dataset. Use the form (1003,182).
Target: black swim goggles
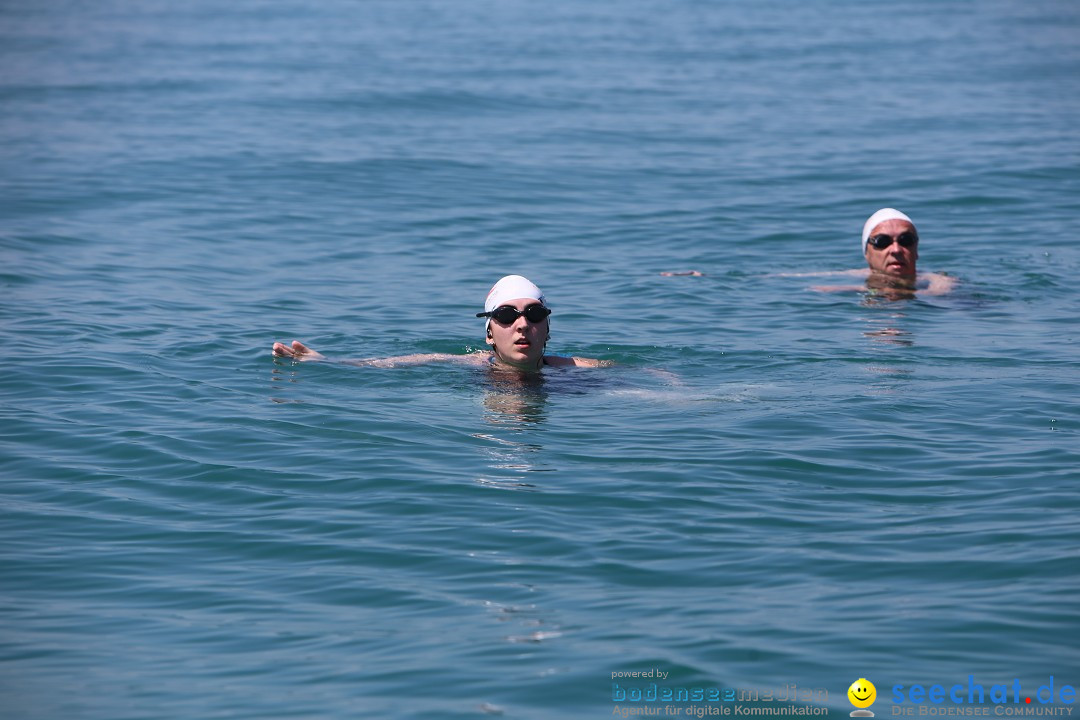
(907,239)
(506,314)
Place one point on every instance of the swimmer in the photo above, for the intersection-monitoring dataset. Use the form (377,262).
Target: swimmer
(517,329)
(890,245)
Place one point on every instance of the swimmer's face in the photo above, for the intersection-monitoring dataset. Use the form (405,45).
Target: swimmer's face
(520,344)
(894,260)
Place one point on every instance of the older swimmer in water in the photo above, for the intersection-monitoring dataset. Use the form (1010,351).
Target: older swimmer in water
(890,244)
(517,328)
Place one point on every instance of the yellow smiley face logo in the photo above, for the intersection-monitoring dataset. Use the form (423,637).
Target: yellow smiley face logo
(862,693)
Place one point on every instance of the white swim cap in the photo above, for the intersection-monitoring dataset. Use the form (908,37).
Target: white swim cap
(879,217)
(511,287)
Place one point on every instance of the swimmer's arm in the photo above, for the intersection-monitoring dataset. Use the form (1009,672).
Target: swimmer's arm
(691,273)
(940,284)
(302,353)
(857,272)
(476,358)
(837,288)
(563,361)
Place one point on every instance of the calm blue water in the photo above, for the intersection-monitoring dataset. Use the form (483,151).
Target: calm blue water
(773,486)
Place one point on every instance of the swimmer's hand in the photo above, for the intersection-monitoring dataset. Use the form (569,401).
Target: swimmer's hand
(297,351)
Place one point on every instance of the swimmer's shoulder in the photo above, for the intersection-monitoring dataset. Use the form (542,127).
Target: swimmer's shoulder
(479,357)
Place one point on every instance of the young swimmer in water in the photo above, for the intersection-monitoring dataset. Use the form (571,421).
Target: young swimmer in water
(517,329)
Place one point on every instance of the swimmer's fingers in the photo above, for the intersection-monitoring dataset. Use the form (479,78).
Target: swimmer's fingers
(298,351)
(303,352)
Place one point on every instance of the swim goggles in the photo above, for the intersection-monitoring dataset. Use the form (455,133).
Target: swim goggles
(907,239)
(506,315)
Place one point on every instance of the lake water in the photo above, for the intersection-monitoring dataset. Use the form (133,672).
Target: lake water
(773,486)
